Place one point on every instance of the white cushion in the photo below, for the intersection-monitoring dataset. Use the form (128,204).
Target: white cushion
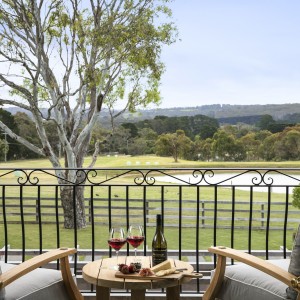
(2,291)
(244,282)
(39,284)
(294,267)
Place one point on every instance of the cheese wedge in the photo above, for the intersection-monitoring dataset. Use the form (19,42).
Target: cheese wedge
(166,272)
(165,265)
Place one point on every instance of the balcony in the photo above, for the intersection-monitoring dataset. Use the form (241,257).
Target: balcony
(247,209)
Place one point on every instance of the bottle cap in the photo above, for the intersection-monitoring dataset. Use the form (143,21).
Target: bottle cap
(158,218)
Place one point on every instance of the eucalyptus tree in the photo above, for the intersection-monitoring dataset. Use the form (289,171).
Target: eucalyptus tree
(71,58)
(226,147)
(176,144)
(251,145)
(144,143)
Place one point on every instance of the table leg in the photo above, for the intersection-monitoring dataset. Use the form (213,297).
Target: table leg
(173,293)
(102,293)
(138,294)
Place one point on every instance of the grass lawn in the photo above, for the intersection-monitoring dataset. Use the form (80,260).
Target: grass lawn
(147,161)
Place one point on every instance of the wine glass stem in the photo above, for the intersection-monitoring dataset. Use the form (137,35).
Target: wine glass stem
(117,253)
(135,249)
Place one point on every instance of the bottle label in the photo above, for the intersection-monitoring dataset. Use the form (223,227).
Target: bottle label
(159,256)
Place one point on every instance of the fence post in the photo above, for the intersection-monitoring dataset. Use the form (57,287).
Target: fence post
(262,215)
(147,212)
(203,213)
(37,217)
(90,209)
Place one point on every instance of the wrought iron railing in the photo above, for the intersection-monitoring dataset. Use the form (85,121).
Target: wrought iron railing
(248,209)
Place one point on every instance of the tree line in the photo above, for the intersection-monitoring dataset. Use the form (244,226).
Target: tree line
(202,138)
(194,138)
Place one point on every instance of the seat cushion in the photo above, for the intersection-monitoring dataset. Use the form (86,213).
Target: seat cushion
(2,291)
(244,282)
(294,267)
(39,284)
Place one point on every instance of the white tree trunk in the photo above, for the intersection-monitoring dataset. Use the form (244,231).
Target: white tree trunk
(69,194)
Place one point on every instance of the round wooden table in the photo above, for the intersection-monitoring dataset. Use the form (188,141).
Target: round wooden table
(102,275)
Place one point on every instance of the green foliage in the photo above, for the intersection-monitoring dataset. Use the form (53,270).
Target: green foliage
(226,147)
(4,148)
(203,149)
(8,119)
(132,129)
(230,143)
(117,140)
(26,129)
(200,125)
(265,122)
(175,144)
(290,143)
(144,142)
(283,145)
(251,144)
(296,197)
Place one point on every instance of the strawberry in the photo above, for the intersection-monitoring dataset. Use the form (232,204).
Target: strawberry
(120,266)
(125,269)
(132,268)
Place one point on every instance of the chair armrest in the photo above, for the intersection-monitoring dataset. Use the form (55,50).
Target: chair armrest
(253,261)
(40,260)
(257,263)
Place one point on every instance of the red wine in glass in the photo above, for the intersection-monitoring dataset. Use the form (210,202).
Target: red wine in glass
(116,239)
(135,241)
(117,244)
(135,237)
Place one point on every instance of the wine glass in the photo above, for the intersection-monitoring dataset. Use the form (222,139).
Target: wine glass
(135,237)
(116,239)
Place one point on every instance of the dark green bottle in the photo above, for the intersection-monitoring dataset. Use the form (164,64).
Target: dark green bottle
(159,243)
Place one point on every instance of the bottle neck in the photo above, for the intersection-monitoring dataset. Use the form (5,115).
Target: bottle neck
(159,223)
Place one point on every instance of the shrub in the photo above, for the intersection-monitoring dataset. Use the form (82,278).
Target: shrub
(296,197)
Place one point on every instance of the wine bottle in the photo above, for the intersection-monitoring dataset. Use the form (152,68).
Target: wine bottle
(159,244)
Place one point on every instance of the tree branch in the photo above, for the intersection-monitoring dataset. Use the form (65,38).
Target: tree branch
(21,89)
(21,140)
(14,103)
(95,155)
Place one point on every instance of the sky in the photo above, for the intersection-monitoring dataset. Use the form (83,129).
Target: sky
(233,52)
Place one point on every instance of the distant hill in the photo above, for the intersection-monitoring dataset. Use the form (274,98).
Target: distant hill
(218,111)
(251,120)
(13,110)
(224,113)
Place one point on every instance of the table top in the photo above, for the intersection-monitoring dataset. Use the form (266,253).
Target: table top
(101,273)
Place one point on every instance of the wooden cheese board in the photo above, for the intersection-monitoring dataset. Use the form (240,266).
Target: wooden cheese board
(152,277)
(176,276)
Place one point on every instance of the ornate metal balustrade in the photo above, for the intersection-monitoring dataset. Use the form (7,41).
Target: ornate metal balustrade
(249,209)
